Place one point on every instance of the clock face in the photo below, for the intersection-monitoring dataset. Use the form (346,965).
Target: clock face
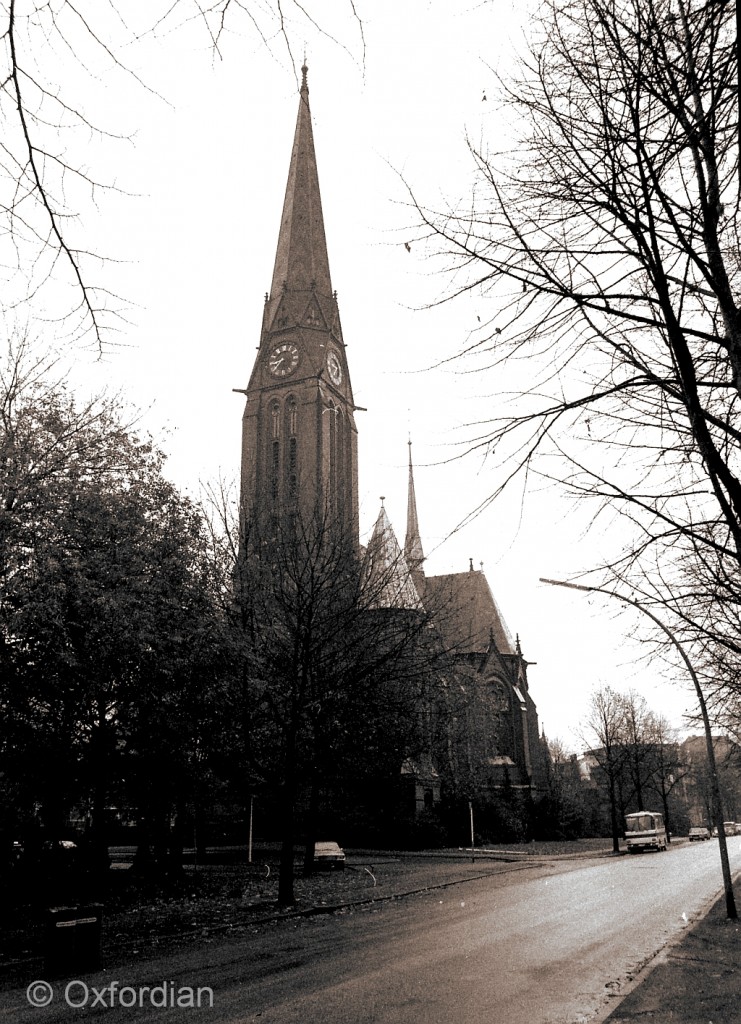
(334,367)
(283,359)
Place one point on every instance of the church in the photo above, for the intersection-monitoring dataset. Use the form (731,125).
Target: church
(299,451)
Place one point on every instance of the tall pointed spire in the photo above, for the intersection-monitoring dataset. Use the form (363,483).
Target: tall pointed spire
(299,440)
(413,552)
(301,261)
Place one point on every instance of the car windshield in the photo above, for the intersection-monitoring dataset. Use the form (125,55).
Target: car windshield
(639,822)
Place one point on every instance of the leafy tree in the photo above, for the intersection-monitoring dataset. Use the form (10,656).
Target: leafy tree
(109,635)
(566,802)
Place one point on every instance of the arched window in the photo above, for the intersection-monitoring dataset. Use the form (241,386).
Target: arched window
(275,472)
(275,452)
(291,468)
(332,413)
(340,456)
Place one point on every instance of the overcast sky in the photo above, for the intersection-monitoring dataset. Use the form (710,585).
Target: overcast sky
(195,240)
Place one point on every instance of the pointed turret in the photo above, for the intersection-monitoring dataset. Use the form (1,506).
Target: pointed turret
(387,571)
(413,552)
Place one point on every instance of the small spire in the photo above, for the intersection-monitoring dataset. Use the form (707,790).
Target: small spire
(304,72)
(470,565)
(383,498)
(518,649)
(413,542)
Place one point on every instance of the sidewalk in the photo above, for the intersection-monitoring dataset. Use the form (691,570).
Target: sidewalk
(694,981)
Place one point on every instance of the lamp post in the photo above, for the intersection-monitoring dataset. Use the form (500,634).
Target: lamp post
(723,846)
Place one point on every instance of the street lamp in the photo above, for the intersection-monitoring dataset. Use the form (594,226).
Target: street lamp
(725,866)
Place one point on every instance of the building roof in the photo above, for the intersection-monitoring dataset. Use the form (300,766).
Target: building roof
(387,568)
(466,613)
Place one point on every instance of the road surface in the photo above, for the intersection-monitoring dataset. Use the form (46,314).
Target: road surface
(544,945)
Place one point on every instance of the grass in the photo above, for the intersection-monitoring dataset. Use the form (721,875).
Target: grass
(215,899)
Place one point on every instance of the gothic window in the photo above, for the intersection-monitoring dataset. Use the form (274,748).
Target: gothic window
(292,449)
(500,715)
(275,472)
(332,412)
(274,454)
(340,442)
(499,698)
(292,468)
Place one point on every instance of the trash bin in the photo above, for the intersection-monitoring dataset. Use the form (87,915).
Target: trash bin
(72,939)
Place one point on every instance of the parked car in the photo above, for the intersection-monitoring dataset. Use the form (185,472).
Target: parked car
(329,856)
(698,833)
(65,846)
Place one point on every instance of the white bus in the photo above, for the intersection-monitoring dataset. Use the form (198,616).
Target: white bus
(645,830)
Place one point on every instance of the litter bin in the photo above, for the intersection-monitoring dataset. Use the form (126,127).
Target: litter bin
(72,939)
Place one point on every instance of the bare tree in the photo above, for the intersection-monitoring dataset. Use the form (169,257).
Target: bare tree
(638,720)
(337,661)
(605,734)
(605,245)
(668,766)
(54,54)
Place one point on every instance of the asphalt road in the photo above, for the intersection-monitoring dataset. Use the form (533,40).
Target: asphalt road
(546,945)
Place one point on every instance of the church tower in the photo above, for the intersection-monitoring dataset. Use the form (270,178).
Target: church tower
(299,440)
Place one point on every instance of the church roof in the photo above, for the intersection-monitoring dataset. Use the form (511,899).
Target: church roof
(301,261)
(466,613)
(388,570)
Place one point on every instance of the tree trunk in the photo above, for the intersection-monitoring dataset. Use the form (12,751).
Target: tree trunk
(311,827)
(614,819)
(286,897)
